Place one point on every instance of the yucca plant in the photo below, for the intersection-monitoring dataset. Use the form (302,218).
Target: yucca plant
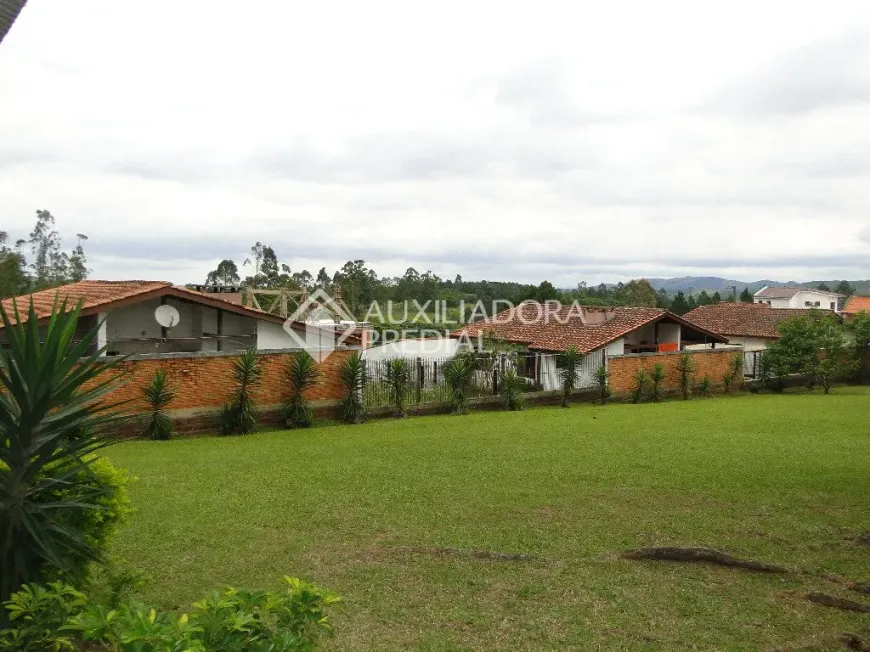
(685,367)
(657,377)
(737,367)
(704,386)
(570,365)
(458,374)
(398,382)
(353,376)
(511,390)
(640,381)
(602,378)
(52,386)
(158,394)
(239,416)
(301,374)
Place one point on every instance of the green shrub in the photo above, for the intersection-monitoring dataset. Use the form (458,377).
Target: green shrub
(602,377)
(458,374)
(657,377)
(52,488)
(511,390)
(301,375)
(570,363)
(685,367)
(398,382)
(353,376)
(158,395)
(640,381)
(57,617)
(704,386)
(238,417)
(39,616)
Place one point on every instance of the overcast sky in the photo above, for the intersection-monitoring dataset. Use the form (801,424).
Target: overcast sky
(550,140)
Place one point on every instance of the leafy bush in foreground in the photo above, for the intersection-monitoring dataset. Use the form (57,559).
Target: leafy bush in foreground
(56,499)
(58,617)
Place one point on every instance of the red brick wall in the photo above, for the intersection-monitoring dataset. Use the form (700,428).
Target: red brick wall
(203,381)
(714,363)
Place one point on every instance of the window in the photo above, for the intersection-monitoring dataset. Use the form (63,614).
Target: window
(833,305)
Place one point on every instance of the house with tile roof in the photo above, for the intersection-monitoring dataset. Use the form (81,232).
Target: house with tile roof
(751,325)
(855,305)
(795,298)
(141,317)
(545,329)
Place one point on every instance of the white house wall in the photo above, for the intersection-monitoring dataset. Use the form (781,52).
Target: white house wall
(617,347)
(670,333)
(804,299)
(751,343)
(434,348)
(133,329)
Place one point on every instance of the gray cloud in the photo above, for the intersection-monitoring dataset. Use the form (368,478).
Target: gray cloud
(422,156)
(827,74)
(540,94)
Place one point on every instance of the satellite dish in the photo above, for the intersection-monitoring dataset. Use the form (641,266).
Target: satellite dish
(167,316)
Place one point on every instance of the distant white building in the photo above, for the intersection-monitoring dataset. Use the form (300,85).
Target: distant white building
(799,298)
(433,348)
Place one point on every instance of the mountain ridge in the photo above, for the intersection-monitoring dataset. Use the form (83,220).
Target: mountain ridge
(710,284)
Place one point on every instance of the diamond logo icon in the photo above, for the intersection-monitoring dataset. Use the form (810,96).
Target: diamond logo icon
(320,324)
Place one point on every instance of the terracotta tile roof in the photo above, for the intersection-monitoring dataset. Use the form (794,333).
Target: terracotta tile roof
(94,294)
(527,324)
(101,296)
(745,319)
(857,304)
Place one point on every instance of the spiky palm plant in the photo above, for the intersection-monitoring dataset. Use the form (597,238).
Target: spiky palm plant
(602,376)
(158,394)
(657,377)
(53,404)
(398,382)
(458,373)
(511,390)
(239,416)
(640,381)
(353,376)
(685,367)
(737,369)
(570,364)
(301,374)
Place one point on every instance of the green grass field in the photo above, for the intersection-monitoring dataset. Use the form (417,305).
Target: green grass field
(783,479)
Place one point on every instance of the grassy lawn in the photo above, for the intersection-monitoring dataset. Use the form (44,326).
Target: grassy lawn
(783,479)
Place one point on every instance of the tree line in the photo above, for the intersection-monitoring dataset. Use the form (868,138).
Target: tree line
(48,264)
(361,286)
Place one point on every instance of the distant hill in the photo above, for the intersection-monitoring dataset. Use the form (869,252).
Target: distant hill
(694,284)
